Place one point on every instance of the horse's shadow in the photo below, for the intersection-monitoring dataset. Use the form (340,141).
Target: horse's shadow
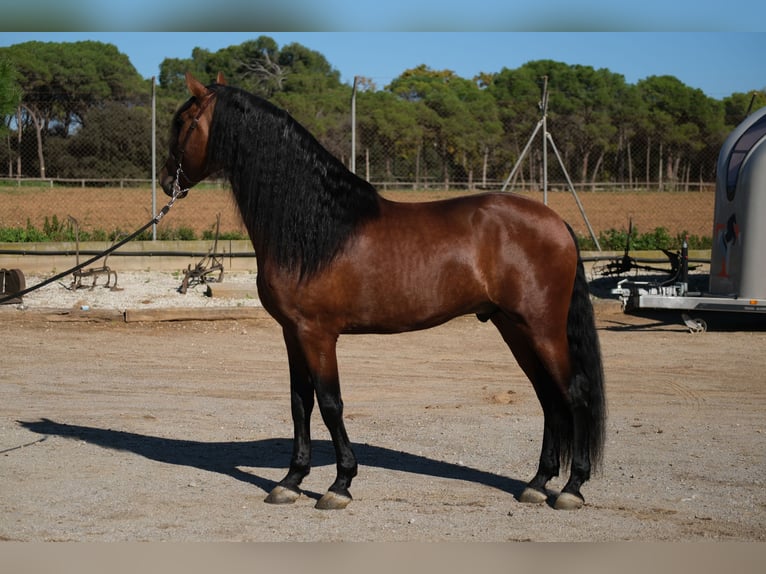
(227,457)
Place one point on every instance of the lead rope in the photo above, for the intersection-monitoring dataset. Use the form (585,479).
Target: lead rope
(177,194)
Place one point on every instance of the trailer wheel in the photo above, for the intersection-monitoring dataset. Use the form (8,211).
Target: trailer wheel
(694,325)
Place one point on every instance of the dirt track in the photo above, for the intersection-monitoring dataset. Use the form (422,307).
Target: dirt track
(176,431)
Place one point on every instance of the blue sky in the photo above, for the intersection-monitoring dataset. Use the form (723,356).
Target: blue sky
(719,63)
(392,15)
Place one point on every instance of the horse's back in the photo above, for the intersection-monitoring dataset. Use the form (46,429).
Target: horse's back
(487,221)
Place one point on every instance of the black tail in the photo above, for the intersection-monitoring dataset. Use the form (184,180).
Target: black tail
(587,387)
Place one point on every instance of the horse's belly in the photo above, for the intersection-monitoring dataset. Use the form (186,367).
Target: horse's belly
(419,306)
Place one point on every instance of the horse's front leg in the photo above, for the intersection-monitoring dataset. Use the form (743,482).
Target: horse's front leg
(314,369)
(323,366)
(301,406)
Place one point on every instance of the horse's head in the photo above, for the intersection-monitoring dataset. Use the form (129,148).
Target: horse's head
(187,155)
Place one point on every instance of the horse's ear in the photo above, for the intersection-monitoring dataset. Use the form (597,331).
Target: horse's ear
(220,80)
(195,86)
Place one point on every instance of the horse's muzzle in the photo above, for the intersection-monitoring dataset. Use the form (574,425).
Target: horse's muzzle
(167,182)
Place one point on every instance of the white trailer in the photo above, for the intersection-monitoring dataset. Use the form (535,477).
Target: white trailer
(737,286)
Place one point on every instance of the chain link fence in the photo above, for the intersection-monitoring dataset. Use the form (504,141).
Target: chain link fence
(97,178)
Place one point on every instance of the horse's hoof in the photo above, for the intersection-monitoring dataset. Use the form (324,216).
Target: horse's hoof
(332,501)
(282,495)
(532,496)
(568,501)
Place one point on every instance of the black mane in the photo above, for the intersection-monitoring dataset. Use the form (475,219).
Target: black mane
(298,201)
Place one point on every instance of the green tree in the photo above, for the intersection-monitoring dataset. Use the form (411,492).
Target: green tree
(679,119)
(172,77)
(10,96)
(390,136)
(257,64)
(62,81)
(10,93)
(459,119)
(583,104)
(738,105)
(517,94)
(115,141)
(427,124)
(481,130)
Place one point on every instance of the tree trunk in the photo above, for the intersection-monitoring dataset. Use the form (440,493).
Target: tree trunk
(417,167)
(39,130)
(676,167)
(659,168)
(10,159)
(584,172)
(18,151)
(445,167)
(40,156)
(599,163)
(620,158)
(648,161)
(468,170)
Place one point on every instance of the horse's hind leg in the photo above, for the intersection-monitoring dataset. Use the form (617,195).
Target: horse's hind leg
(530,353)
(550,455)
(570,497)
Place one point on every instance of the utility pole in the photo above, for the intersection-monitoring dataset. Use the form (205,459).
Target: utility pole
(154,158)
(353,126)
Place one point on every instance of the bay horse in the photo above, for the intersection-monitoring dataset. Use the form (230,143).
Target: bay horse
(335,257)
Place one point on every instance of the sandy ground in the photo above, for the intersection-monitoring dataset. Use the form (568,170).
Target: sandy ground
(176,431)
(135,290)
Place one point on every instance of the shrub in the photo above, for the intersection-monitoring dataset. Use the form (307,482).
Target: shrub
(659,238)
